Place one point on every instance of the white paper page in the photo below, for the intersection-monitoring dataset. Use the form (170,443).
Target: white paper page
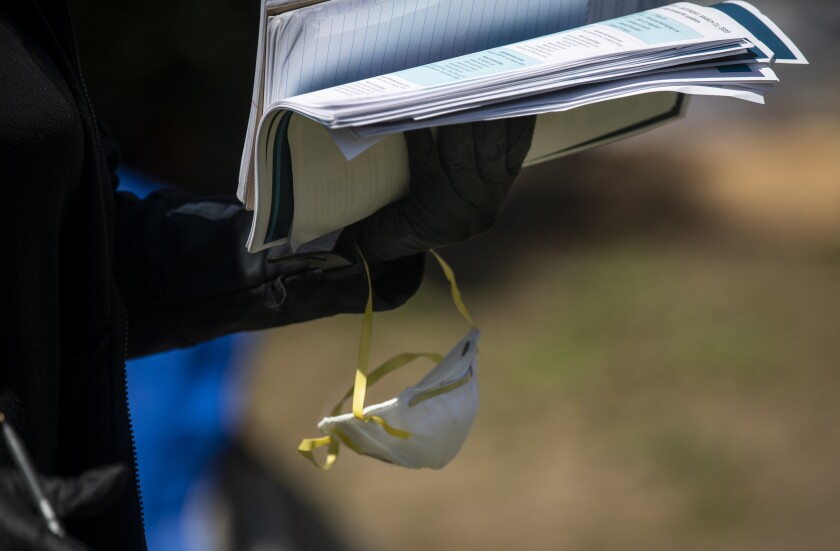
(372,176)
(637,33)
(244,191)
(390,41)
(580,96)
(529,87)
(571,99)
(344,41)
(478,93)
(748,92)
(608,115)
(683,32)
(339,193)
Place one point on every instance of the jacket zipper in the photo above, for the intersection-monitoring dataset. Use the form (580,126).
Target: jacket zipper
(124,379)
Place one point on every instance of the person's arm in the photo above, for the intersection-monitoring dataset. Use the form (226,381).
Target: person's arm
(186,277)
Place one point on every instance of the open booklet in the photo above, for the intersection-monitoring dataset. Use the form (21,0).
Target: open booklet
(338,82)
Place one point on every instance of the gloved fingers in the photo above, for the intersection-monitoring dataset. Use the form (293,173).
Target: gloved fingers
(448,199)
(456,147)
(490,151)
(86,495)
(380,235)
(423,161)
(458,186)
(520,132)
(480,198)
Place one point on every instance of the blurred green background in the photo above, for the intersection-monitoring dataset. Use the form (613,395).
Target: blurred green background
(660,317)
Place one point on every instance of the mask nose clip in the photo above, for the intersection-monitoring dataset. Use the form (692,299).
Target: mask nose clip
(444,387)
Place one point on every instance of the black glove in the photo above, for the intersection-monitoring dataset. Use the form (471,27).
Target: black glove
(458,187)
(185,276)
(23,529)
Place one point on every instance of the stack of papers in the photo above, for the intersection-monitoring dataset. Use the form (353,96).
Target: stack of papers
(338,81)
(723,50)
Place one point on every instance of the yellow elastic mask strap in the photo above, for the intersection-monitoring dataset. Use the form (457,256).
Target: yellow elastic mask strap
(453,287)
(389,366)
(360,386)
(363,379)
(308,445)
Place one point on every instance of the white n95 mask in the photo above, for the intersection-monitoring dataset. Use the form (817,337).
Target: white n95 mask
(437,413)
(426,424)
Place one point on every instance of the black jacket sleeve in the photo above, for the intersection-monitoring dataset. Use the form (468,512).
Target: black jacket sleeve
(185,276)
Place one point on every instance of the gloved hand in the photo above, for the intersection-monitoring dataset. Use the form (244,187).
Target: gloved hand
(185,276)
(23,529)
(458,186)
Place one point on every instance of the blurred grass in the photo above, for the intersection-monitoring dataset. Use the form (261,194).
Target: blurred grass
(632,293)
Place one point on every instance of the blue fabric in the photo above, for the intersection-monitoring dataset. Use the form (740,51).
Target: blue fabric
(176,400)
